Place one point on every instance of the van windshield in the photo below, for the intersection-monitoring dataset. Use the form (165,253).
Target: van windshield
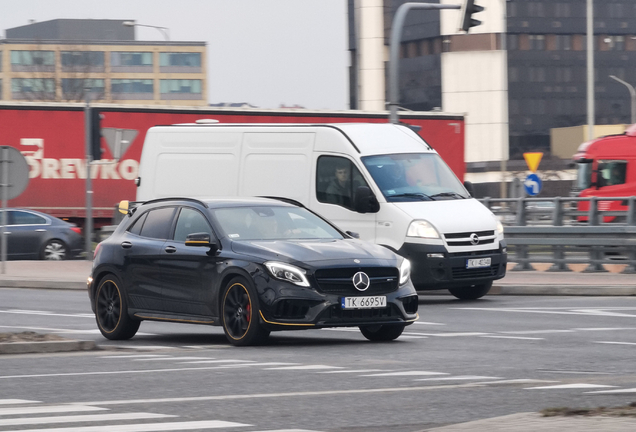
(583,175)
(414,177)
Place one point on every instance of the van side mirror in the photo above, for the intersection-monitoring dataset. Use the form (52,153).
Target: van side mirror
(469,187)
(201,239)
(364,201)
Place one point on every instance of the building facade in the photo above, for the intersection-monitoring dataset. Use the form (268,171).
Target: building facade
(62,60)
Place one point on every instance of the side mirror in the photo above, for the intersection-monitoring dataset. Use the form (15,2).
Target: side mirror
(201,239)
(365,201)
(469,187)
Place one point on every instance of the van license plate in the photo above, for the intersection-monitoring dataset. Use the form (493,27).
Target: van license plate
(372,302)
(478,263)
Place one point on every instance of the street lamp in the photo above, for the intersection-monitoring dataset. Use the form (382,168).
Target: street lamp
(632,92)
(163,30)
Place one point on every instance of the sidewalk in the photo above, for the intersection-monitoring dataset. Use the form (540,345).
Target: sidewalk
(73,275)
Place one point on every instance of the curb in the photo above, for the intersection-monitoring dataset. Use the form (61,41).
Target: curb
(46,347)
(42,284)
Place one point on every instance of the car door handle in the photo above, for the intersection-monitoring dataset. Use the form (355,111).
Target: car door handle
(126,245)
(40,230)
(170,249)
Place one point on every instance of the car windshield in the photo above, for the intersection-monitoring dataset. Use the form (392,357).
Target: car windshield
(583,175)
(414,177)
(272,223)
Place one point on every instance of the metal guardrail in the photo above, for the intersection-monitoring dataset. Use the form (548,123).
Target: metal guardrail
(555,231)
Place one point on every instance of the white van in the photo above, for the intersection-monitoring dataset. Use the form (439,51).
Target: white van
(381,181)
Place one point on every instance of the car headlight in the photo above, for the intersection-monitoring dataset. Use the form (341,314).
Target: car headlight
(500,228)
(287,273)
(422,229)
(405,271)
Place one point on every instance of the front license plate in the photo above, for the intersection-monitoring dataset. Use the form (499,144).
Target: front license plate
(478,263)
(363,302)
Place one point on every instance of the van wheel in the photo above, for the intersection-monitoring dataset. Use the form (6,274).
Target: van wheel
(382,333)
(240,314)
(111,311)
(471,292)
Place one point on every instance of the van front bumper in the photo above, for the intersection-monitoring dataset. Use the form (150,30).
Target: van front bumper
(433,268)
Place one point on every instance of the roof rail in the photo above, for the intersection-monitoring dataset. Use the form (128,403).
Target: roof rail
(286,200)
(152,201)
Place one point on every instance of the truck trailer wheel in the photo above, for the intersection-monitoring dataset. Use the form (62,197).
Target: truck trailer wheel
(471,292)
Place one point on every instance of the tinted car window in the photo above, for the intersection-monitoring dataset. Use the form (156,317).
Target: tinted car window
(190,221)
(136,228)
(25,218)
(158,223)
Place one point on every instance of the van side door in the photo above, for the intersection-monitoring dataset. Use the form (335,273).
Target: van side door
(336,181)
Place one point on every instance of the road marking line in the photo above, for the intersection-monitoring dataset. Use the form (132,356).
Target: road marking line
(305,367)
(629,390)
(46,313)
(16,401)
(82,418)
(569,386)
(240,365)
(429,323)
(49,409)
(146,427)
(511,337)
(287,430)
(518,381)
(409,336)
(71,331)
(405,373)
(458,378)
(604,329)
(219,361)
(615,343)
(134,356)
(537,331)
(354,371)
(448,334)
(172,358)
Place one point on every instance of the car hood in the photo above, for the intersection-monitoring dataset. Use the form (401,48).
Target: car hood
(318,251)
(450,216)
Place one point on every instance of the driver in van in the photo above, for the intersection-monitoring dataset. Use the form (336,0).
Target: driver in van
(339,190)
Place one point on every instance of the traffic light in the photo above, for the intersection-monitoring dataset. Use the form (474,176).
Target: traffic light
(96,134)
(468,9)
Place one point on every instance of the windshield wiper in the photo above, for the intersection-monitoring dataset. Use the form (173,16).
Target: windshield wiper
(448,194)
(419,195)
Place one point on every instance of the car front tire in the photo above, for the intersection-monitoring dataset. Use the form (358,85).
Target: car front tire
(54,250)
(382,333)
(471,292)
(111,310)
(240,314)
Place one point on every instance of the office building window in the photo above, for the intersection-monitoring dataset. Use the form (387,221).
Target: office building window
(179,62)
(82,60)
(537,42)
(513,42)
(536,9)
(563,74)
(512,9)
(125,58)
(513,74)
(562,10)
(132,89)
(180,89)
(33,88)
(614,43)
(27,61)
(75,88)
(616,10)
(564,42)
(536,74)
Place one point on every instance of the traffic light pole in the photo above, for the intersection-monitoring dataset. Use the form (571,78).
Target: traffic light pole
(394,50)
(88,225)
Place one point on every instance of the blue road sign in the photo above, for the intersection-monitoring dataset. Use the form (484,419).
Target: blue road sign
(532,184)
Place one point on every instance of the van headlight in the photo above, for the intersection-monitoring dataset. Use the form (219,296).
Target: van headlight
(500,228)
(422,229)
(287,273)
(405,271)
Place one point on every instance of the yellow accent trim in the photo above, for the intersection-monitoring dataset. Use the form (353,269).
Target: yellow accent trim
(284,324)
(415,319)
(196,242)
(174,319)
(123,206)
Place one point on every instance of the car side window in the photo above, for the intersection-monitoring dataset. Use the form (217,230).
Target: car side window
(158,223)
(190,221)
(25,218)
(136,227)
(337,179)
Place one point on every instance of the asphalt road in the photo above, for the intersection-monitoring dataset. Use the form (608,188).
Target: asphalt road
(461,361)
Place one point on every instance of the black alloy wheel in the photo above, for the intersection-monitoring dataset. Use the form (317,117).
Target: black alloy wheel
(111,311)
(241,314)
(382,333)
(471,292)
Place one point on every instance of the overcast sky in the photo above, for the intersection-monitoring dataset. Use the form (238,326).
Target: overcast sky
(264,52)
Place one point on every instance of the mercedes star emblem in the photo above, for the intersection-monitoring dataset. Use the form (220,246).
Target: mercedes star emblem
(361,281)
(474,238)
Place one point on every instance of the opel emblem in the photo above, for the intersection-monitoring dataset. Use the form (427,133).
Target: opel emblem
(474,238)
(361,281)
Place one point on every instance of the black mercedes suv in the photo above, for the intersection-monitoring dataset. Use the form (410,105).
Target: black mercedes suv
(251,265)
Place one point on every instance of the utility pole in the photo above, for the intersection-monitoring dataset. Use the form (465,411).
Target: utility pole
(590,70)
(88,226)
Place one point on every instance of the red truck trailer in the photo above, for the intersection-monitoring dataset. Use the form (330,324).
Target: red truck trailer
(606,167)
(51,137)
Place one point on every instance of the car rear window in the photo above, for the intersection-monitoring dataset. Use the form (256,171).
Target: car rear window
(136,227)
(158,223)
(25,218)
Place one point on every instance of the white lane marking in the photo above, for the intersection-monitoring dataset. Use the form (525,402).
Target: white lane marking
(561,311)
(288,430)
(342,329)
(601,312)
(449,334)
(458,378)
(615,343)
(305,367)
(49,409)
(16,401)
(47,313)
(354,371)
(141,347)
(172,358)
(145,427)
(536,331)
(243,365)
(511,337)
(429,323)
(604,328)
(217,361)
(82,418)
(405,373)
(569,386)
(409,336)
(134,356)
(629,390)
(205,346)
(71,331)
(518,381)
